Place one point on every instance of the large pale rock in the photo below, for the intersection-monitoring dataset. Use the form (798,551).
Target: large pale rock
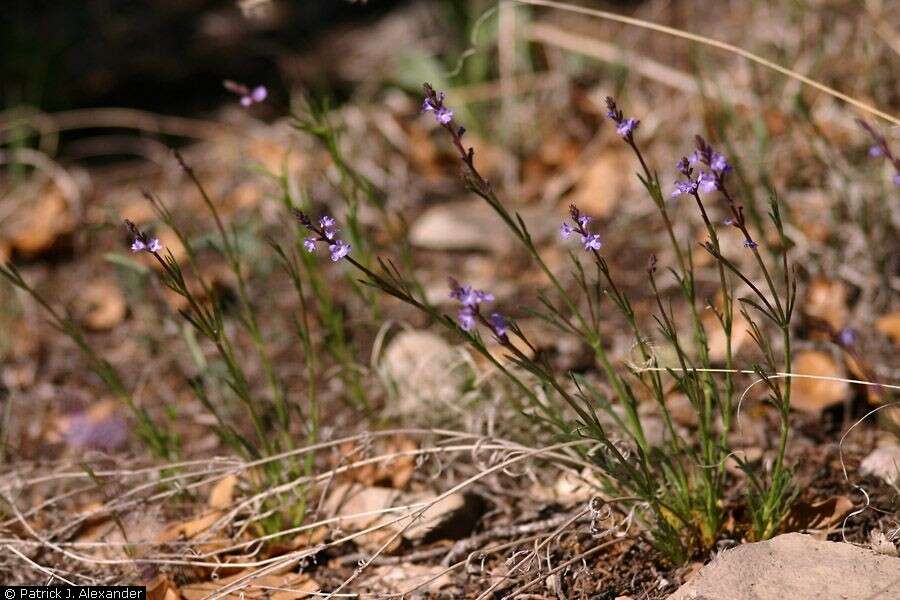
(423,370)
(884,463)
(796,567)
(473,225)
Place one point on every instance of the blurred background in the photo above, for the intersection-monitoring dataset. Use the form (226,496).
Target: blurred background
(96,93)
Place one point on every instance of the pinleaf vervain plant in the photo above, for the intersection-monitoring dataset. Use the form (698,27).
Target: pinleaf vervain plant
(682,485)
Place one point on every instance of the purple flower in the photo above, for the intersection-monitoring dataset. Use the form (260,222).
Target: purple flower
(151,245)
(684,188)
(257,95)
(443,115)
(498,324)
(584,221)
(339,249)
(897,179)
(876,151)
(470,297)
(750,243)
(467,318)
(728,221)
(591,241)
(846,337)
(327,224)
(310,244)
(707,183)
(435,104)
(248,97)
(718,163)
(626,127)
(565,231)
(684,166)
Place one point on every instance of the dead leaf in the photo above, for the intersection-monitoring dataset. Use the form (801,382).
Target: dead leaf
(35,227)
(407,578)
(101,305)
(715,335)
(395,472)
(811,210)
(186,530)
(170,243)
(889,325)
(222,493)
(137,209)
(815,395)
(426,157)
(681,410)
(826,300)
(276,586)
(819,515)
(601,184)
(245,196)
(162,588)
(275,156)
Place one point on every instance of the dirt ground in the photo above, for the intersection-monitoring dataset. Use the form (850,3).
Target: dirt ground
(409,470)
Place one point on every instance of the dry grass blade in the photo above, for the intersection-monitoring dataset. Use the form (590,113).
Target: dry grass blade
(700,39)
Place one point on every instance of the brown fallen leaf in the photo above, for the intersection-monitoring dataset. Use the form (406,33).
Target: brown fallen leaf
(395,472)
(818,515)
(681,410)
(826,300)
(811,213)
(186,530)
(170,243)
(101,305)
(275,156)
(889,325)
(815,395)
(601,183)
(36,226)
(276,586)
(715,334)
(162,588)
(222,494)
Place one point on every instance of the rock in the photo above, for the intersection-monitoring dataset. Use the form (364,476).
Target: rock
(797,567)
(883,463)
(473,225)
(363,507)
(423,370)
(882,544)
(409,578)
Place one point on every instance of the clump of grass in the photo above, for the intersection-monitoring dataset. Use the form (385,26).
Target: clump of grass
(681,486)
